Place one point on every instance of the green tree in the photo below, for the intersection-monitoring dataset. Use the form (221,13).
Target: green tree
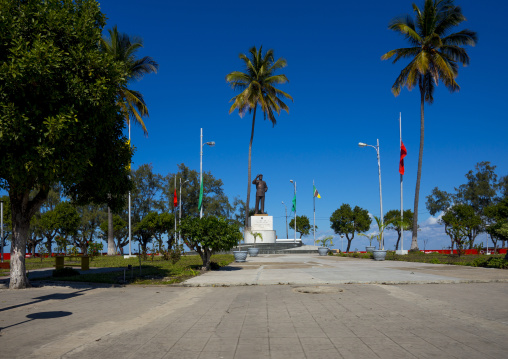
(480,189)
(257,86)
(154,226)
(303,225)
(461,222)
(63,220)
(215,201)
(121,234)
(435,54)
(7,224)
(58,114)
(497,218)
(346,221)
(91,216)
(209,235)
(398,224)
(123,49)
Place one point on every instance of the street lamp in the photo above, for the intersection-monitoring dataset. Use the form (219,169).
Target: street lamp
(211,143)
(287,230)
(180,219)
(294,183)
(361,144)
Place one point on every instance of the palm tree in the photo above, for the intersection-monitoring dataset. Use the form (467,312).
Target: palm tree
(435,54)
(123,48)
(257,86)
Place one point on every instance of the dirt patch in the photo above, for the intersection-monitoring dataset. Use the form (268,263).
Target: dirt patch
(317,289)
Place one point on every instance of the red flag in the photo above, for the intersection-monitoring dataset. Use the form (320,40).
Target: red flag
(403,153)
(175,199)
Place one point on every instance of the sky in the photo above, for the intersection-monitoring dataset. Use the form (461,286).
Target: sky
(342,95)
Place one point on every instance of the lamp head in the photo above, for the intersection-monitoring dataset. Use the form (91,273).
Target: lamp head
(291,181)
(361,144)
(211,143)
(282,202)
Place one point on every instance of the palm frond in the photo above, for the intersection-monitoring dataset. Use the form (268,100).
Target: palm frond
(461,38)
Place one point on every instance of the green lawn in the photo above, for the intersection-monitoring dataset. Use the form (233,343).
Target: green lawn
(491,261)
(154,270)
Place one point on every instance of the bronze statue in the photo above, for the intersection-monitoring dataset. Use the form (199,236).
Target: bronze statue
(261,188)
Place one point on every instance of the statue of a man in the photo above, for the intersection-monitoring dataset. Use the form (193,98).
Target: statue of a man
(261,188)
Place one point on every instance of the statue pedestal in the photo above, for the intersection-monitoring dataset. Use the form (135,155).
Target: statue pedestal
(263,225)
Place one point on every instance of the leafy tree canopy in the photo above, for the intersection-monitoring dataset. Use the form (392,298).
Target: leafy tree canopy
(346,221)
(303,225)
(59,120)
(208,235)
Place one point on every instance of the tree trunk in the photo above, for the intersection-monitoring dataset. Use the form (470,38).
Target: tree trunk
(414,241)
(348,244)
(249,184)
(22,210)
(111,238)
(206,255)
(398,241)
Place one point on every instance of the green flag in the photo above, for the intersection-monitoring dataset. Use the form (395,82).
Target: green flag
(293,209)
(200,196)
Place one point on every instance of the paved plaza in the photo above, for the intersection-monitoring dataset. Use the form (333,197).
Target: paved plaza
(273,306)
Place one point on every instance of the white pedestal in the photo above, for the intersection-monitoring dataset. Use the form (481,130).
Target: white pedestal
(262,225)
(401,252)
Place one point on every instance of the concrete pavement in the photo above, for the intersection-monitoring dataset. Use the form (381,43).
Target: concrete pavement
(464,315)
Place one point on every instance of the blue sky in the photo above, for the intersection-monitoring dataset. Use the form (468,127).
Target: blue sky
(342,96)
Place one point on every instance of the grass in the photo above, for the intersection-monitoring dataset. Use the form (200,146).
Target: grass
(154,270)
(491,261)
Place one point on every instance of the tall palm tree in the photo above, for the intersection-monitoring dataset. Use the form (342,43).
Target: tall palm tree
(435,54)
(124,48)
(257,86)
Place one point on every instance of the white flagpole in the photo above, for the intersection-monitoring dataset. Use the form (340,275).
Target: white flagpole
(401,181)
(314,200)
(130,175)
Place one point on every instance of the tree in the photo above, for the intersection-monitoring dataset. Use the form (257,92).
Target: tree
(91,216)
(435,54)
(398,224)
(257,86)
(347,221)
(215,201)
(7,224)
(209,234)
(497,218)
(461,222)
(480,189)
(302,225)
(121,235)
(154,226)
(62,220)
(123,49)
(58,115)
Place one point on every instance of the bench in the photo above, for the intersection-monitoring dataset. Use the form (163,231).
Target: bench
(85,262)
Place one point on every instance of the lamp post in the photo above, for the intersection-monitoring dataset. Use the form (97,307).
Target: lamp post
(180,219)
(361,144)
(287,230)
(211,143)
(294,183)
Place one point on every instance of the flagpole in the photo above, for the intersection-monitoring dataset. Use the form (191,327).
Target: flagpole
(130,174)
(401,197)
(314,200)
(174,211)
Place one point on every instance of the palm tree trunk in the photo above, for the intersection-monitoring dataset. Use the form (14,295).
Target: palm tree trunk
(249,169)
(414,241)
(111,238)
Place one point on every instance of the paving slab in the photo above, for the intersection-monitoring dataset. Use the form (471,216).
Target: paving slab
(270,269)
(464,315)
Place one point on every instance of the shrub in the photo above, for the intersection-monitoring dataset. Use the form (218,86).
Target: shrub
(497,262)
(356,255)
(434,261)
(65,272)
